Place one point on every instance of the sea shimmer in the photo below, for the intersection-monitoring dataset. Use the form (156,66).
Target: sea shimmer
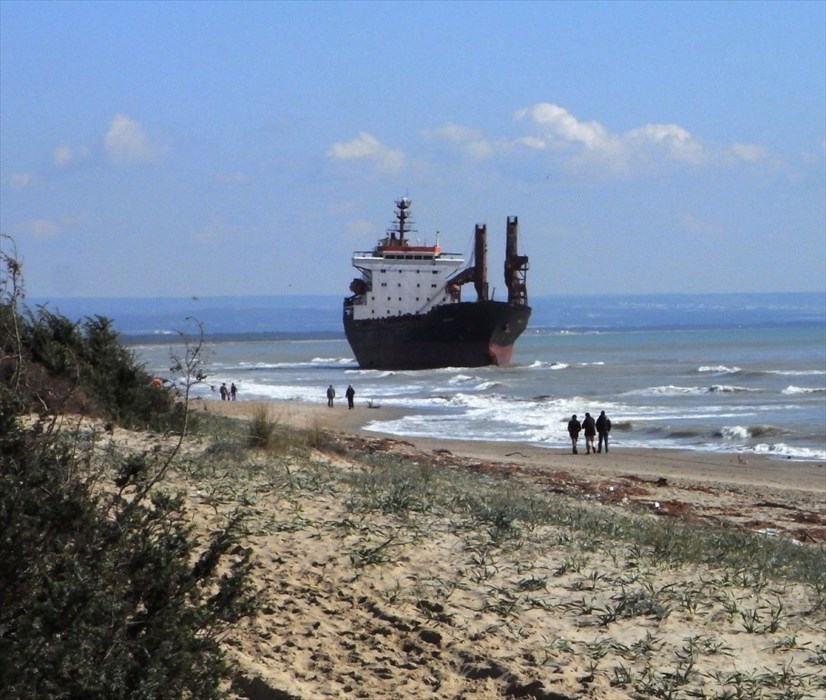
(753,387)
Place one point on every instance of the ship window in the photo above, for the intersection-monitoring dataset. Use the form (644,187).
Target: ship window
(435,272)
(384,284)
(400,284)
(433,285)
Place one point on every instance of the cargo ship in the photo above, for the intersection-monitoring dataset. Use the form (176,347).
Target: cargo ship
(406,309)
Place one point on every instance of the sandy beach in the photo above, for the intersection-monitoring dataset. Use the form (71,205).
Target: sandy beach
(385,602)
(748,482)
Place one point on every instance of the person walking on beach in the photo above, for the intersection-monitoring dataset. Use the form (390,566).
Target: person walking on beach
(350,393)
(331,394)
(589,427)
(574,427)
(224,392)
(603,428)
(233,391)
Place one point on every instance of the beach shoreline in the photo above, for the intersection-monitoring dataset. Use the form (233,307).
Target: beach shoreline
(762,477)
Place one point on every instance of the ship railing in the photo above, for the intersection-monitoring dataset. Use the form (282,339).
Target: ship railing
(355,300)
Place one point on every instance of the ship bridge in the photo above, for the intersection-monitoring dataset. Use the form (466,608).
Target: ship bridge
(400,280)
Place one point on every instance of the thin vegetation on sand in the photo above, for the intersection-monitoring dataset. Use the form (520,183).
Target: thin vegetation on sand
(208,558)
(654,608)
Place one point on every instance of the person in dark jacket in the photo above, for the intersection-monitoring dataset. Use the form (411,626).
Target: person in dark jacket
(574,426)
(603,428)
(331,394)
(350,393)
(589,427)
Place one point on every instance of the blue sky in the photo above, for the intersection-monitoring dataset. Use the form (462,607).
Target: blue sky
(175,149)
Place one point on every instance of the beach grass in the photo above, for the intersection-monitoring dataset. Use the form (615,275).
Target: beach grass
(574,594)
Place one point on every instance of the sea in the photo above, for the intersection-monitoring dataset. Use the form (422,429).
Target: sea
(734,373)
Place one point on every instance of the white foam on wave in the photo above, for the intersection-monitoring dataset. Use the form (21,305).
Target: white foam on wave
(461,379)
(538,364)
(729,389)
(335,361)
(735,432)
(719,369)
(667,390)
(266,365)
(803,390)
(781,449)
(798,372)
(673,390)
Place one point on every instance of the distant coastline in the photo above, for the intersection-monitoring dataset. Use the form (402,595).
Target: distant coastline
(159,320)
(172,337)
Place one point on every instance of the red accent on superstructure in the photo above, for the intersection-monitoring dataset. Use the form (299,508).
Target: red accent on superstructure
(409,249)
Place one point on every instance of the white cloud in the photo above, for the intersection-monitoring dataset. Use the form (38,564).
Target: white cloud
(645,146)
(471,141)
(21,181)
(63,155)
(38,228)
(126,141)
(367,147)
(560,126)
(674,141)
(748,152)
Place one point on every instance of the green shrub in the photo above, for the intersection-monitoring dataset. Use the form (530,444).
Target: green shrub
(107,594)
(60,366)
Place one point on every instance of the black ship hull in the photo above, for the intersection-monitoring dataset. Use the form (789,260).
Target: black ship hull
(467,334)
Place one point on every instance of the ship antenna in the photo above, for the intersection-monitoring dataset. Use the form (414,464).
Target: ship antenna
(402,218)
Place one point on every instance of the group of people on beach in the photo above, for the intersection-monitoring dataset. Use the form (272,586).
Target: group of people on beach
(350,394)
(591,428)
(228,394)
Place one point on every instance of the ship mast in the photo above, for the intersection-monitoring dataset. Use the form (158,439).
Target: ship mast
(402,216)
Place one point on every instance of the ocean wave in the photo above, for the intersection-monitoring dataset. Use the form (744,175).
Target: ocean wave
(803,390)
(746,432)
(267,366)
(729,389)
(719,369)
(673,390)
(538,364)
(684,434)
(798,372)
(462,379)
(334,361)
(667,390)
(781,449)
(374,373)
